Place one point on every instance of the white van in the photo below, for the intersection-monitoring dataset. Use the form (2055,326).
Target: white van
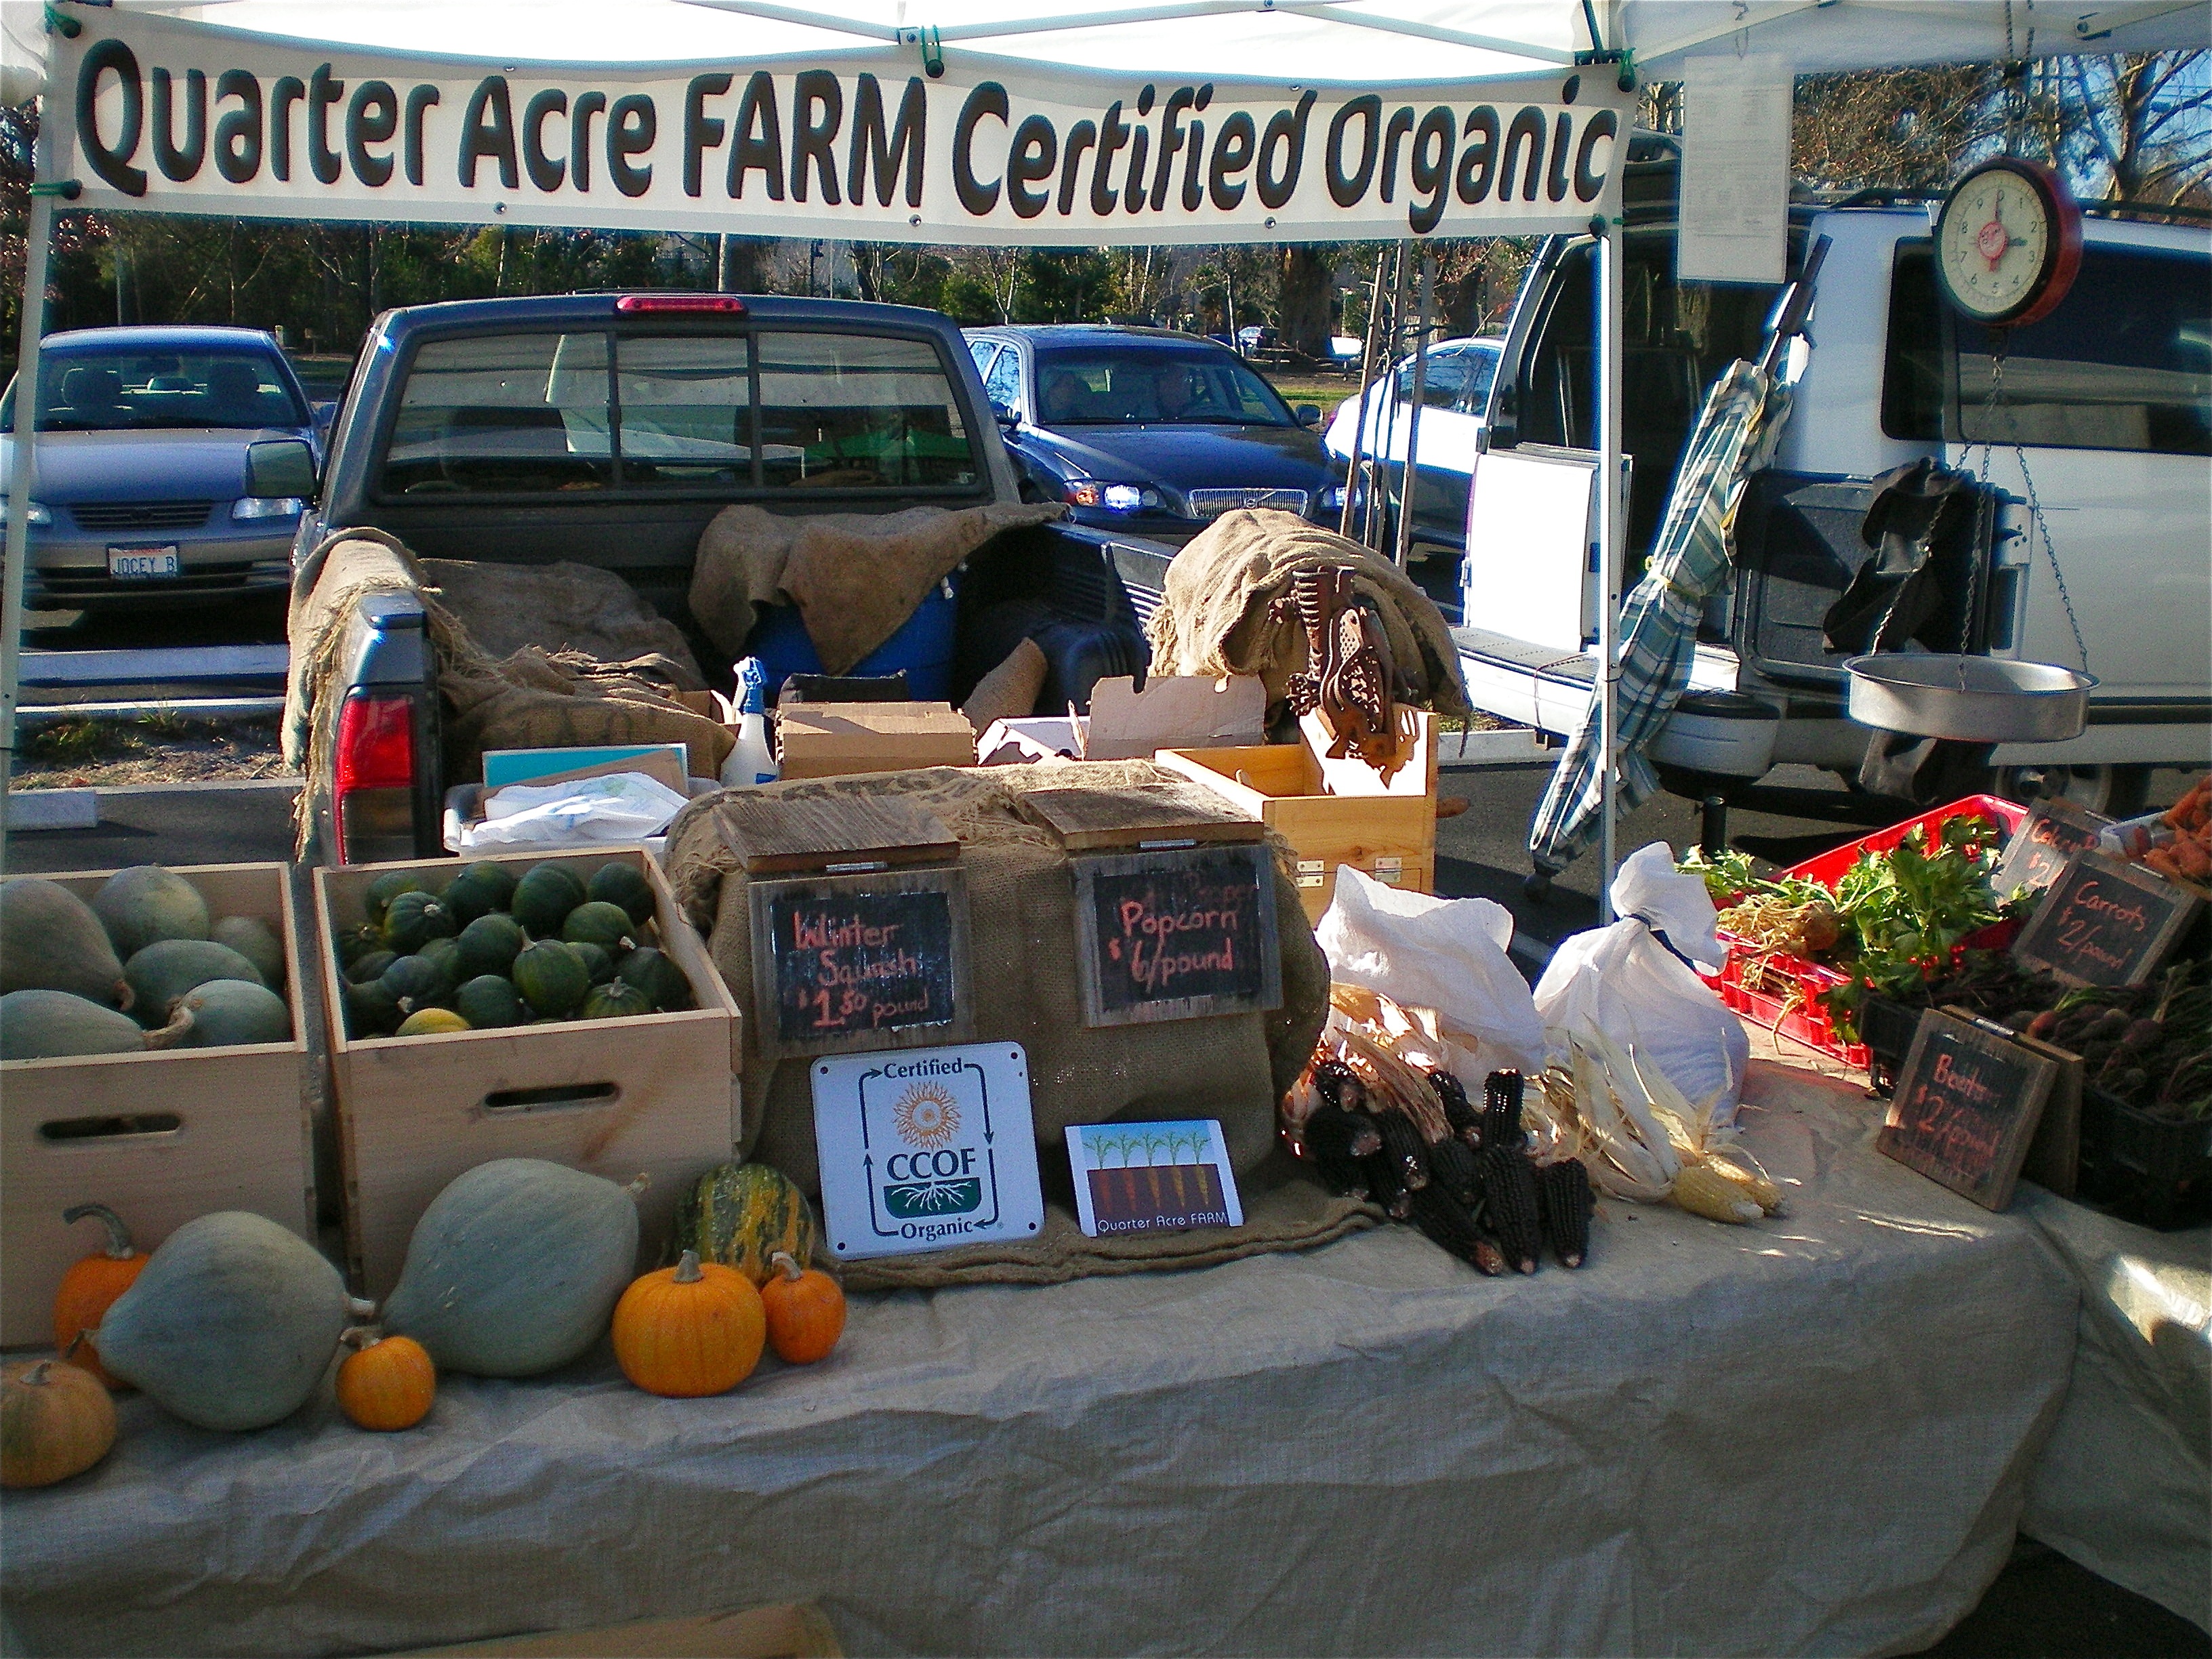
(2106,423)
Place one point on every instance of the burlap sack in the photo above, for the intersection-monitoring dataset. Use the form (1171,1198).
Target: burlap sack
(530,698)
(1217,613)
(1021,918)
(855,577)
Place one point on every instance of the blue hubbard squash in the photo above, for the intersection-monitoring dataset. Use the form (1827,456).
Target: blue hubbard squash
(50,940)
(146,903)
(515,1268)
(231,1325)
(42,1024)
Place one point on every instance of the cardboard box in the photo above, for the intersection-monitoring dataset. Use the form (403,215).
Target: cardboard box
(654,1095)
(1334,812)
(1173,712)
(837,740)
(159,1138)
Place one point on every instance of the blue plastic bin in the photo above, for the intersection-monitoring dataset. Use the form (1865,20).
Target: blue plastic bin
(922,645)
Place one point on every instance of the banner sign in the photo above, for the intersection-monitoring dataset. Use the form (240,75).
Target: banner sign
(175,117)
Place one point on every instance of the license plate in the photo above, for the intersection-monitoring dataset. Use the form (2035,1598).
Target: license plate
(141,563)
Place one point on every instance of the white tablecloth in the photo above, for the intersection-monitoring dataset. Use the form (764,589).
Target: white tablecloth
(1813,1435)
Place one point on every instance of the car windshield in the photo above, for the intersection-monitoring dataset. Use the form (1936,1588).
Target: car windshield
(129,389)
(1110,388)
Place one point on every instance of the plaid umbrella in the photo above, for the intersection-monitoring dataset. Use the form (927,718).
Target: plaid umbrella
(1742,419)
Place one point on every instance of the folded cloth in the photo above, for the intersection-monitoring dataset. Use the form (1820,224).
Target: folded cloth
(1218,615)
(855,577)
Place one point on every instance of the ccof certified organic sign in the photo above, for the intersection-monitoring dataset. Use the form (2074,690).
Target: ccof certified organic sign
(926,1149)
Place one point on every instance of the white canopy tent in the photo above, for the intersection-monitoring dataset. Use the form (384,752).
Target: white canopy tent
(979,121)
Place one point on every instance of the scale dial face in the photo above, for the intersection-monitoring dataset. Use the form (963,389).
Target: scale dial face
(2008,243)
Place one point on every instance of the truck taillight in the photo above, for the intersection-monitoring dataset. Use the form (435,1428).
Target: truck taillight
(632,305)
(374,804)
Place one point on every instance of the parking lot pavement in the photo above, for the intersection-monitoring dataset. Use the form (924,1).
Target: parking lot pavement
(244,822)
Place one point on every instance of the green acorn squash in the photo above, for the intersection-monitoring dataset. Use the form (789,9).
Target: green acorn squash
(385,888)
(415,919)
(488,1002)
(616,1000)
(514,1268)
(416,982)
(489,944)
(479,889)
(624,884)
(655,973)
(371,1011)
(552,977)
(543,897)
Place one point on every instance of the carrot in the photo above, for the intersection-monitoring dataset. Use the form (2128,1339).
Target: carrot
(2194,859)
(2159,860)
(2194,810)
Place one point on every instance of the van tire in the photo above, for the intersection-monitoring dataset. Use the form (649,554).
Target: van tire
(2115,791)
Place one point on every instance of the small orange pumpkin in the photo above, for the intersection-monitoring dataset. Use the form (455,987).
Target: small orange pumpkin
(805,1312)
(91,1286)
(691,1329)
(386,1382)
(56,1421)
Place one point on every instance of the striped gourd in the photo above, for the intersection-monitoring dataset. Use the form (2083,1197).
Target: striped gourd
(740,1215)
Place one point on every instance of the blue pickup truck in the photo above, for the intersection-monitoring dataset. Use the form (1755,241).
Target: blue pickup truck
(608,429)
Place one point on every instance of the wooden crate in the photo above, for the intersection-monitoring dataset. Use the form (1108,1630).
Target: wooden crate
(656,1094)
(240,1138)
(1333,811)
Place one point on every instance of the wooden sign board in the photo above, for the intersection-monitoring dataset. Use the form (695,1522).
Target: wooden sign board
(2102,922)
(2054,1157)
(771,835)
(2052,832)
(1176,935)
(877,961)
(1149,817)
(1966,1104)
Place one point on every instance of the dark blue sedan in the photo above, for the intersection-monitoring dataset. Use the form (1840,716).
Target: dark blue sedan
(1150,431)
(142,492)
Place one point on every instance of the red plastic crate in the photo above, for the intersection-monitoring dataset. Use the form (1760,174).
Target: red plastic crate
(1762,983)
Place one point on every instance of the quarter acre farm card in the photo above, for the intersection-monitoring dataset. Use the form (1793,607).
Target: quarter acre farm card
(1152,1177)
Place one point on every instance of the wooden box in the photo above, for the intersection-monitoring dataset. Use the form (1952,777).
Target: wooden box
(1334,812)
(159,1138)
(656,1094)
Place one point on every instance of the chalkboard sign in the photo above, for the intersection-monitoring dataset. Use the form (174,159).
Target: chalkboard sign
(877,961)
(2102,922)
(1966,1107)
(2052,832)
(1174,935)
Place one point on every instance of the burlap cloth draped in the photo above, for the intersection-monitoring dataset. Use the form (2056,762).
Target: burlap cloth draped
(1216,616)
(1021,908)
(855,577)
(529,656)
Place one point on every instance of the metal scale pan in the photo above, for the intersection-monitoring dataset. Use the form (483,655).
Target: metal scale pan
(1970,699)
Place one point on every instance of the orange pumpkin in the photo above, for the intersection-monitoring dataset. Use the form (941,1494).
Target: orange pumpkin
(689,1329)
(91,1286)
(805,1312)
(386,1382)
(56,1421)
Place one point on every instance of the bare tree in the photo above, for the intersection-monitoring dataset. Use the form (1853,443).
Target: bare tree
(2143,121)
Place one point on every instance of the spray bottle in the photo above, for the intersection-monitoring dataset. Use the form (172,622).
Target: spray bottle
(752,761)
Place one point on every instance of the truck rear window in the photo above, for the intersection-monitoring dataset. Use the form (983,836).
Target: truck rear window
(538,413)
(2124,362)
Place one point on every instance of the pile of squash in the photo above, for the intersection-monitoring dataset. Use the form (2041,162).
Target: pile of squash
(486,949)
(143,966)
(517,1268)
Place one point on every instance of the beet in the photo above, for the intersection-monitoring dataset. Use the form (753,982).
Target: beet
(2141,1034)
(2044,1024)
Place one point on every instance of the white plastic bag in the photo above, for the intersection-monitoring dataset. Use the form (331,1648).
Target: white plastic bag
(1624,982)
(617,809)
(1445,954)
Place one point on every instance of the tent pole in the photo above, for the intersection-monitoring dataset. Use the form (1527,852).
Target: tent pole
(22,476)
(1609,533)
(1410,479)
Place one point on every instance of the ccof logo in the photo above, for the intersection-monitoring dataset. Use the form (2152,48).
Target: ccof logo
(926,1116)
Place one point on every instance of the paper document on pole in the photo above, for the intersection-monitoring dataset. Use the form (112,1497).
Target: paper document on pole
(1735,169)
